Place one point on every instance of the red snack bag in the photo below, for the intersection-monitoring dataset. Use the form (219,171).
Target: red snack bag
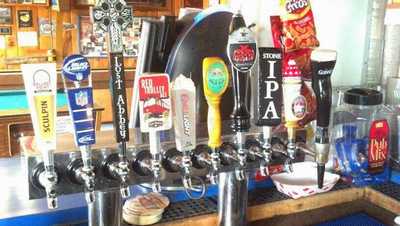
(276,30)
(302,58)
(298,25)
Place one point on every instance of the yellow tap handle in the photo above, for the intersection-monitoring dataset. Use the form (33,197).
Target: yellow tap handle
(214,124)
(215,83)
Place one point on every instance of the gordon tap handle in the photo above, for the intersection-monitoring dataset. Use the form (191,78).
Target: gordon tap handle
(322,65)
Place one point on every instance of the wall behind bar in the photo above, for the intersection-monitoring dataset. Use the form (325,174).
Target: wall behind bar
(341,25)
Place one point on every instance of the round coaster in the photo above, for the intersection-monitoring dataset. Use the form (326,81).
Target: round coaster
(148,204)
(140,219)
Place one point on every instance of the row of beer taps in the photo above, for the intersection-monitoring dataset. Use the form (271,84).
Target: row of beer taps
(163,104)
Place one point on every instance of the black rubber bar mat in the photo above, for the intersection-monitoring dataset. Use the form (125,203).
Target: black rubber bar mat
(192,208)
(389,189)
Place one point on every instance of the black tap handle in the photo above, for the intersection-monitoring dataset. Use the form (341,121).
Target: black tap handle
(118,93)
(269,88)
(237,22)
(322,87)
(240,114)
(242,51)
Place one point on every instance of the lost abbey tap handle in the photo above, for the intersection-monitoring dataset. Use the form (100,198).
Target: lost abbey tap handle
(120,118)
(155,116)
(268,99)
(215,83)
(184,116)
(242,51)
(114,16)
(76,70)
(322,64)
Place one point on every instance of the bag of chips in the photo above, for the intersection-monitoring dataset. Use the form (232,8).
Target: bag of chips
(276,30)
(298,25)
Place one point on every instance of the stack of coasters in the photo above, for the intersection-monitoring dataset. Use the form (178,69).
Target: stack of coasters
(145,209)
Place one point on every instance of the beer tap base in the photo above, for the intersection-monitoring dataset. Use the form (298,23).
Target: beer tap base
(232,200)
(109,202)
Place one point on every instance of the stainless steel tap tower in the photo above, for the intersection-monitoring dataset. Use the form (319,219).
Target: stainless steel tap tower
(242,53)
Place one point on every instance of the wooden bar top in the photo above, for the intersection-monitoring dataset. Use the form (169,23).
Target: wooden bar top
(365,197)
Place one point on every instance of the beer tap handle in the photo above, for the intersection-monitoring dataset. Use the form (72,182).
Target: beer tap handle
(41,86)
(266,150)
(114,17)
(184,115)
(294,107)
(155,115)
(322,65)
(49,182)
(268,98)
(120,118)
(156,159)
(48,179)
(123,171)
(88,175)
(80,99)
(215,83)
(242,51)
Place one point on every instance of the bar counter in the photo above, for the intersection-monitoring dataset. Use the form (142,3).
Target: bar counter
(269,207)
(266,205)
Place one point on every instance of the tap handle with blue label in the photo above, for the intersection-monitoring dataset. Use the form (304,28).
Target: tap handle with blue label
(76,70)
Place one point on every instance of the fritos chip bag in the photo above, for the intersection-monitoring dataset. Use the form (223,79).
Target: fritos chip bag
(298,25)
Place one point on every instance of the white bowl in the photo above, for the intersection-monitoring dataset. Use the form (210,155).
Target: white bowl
(303,181)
